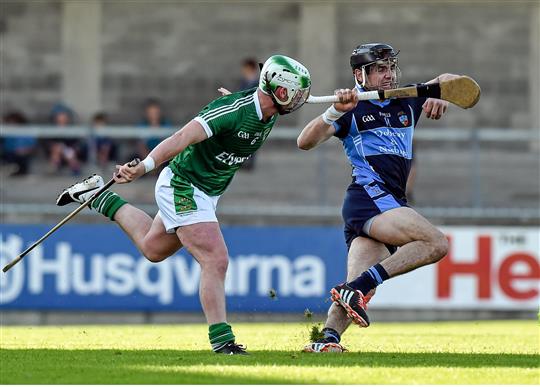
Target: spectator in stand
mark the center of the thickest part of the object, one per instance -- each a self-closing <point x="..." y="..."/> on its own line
<point x="250" y="74"/>
<point x="64" y="151"/>
<point x="153" y="118"/>
<point x="105" y="146"/>
<point x="18" y="150"/>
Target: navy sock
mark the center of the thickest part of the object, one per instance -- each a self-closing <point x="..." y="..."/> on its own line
<point x="370" y="279"/>
<point x="331" y="335"/>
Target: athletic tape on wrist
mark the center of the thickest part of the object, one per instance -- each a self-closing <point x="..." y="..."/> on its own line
<point x="149" y="164"/>
<point x="331" y="114"/>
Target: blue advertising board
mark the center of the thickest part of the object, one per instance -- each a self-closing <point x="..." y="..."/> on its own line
<point x="96" y="267"/>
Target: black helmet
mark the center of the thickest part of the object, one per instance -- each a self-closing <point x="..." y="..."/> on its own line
<point x="365" y="54"/>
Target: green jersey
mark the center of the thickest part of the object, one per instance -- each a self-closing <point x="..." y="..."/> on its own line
<point x="235" y="131"/>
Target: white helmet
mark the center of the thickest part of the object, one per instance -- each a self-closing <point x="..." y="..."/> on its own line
<point x="280" y="70"/>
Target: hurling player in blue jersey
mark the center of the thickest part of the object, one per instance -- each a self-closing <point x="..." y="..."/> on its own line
<point x="377" y="139"/>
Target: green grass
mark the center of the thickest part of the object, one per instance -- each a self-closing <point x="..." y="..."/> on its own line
<point x="386" y="353"/>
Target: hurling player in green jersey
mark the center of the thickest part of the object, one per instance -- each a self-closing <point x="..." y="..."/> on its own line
<point x="204" y="154"/>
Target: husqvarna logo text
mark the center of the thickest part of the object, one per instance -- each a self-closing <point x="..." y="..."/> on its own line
<point x="65" y="272"/>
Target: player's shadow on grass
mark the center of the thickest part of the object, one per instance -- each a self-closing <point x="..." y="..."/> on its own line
<point x="197" y="367"/>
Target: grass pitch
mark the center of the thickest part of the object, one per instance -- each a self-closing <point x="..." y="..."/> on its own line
<point x="386" y="353"/>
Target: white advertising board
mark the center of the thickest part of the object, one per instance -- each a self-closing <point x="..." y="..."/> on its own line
<point x="487" y="268"/>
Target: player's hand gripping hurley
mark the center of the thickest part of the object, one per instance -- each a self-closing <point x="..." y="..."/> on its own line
<point x="463" y="92"/>
<point x="64" y="221"/>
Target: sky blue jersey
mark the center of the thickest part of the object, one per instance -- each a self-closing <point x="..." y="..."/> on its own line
<point x="377" y="137"/>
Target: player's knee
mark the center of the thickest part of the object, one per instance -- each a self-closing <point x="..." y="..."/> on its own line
<point x="154" y="256"/>
<point x="218" y="263"/>
<point x="221" y="264"/>
<point x="440" y="247"/>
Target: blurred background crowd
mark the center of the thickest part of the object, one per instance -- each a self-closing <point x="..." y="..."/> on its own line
<point x="88" y="84"/>
<point x="69" y="154"/>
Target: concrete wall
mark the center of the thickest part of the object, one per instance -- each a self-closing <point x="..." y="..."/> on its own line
<point x="181" y="51"/>
<point x="30" y="56"/>
<point x="486" y="40"/>
<point x="184" y="51"/>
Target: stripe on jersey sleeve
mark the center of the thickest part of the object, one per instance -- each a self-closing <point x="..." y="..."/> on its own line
<point x="218" y="111"/>
<point x="205" y="126"/>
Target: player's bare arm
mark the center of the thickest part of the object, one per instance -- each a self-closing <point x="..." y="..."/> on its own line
<point x="435" y="108"/>
<point x="191" y="133"/>
<point x="320" y="128"/>
<point x="315" y="133"/>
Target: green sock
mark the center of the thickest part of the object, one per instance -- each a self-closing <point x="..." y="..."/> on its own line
<point x="108" y="203"/>
<point x="220" y="334"/>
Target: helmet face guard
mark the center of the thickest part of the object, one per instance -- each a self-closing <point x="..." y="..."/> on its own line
<point x="299" y="98"/>
<point x="375" y="57"/>
<point x="384" y="65"/>
<point x="285" y="72"/>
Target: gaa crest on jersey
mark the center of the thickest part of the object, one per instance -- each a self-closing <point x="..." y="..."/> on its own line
<point x="403" y="118"/>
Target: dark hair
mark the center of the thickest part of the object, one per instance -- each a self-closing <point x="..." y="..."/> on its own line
<point x="15" y="117"/>
<point x="251" y="62"/>
<point x="100" y="116"/>
<point x="152" y="102"/>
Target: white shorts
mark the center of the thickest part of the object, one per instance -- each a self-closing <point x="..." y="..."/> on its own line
<point x="180" y="203"/>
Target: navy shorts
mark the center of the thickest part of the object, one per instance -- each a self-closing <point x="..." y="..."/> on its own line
<point x="363" y="202"/>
